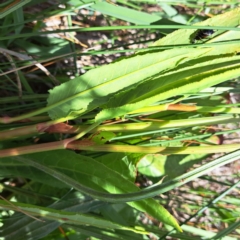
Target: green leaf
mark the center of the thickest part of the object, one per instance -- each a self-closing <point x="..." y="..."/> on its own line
<point x="124" y="13"/>
<point x="94" y="88"/>
<point x="11" y="167"/>
<point x="63" y="217"/>
<point x="194" y="70"/>
<point x="95" y="175"/>
<point x="99" y="86"/>
<point x="120" y="163"/>
<point x="120" y="213"/>
<point x="210" y="68"/>
<point x="102" y="137"/>
<point x="38" y="193"/>
<point x="183" y="36"/>
<point x="156" y="165"/>
<point x="152" y="165"/>
<point x="20" y="226"/>
<point x="183" y="86"/>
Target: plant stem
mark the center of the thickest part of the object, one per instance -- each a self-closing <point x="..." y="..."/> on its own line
<point x="89" y="145"/>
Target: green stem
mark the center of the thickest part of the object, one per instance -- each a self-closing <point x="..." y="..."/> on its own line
<point x="187" y="108"/>
<point x="24" y="116"/>
<point x="43" y="147"/>
<point x="89" y="145"/>
<point x="53" y="127"/>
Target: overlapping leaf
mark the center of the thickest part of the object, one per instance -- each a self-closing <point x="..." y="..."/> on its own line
<point x="183" y="86"/>
<point x="97" y="176"/>
<point x="95" y="88"/>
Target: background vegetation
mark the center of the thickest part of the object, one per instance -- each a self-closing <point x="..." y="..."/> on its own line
<point x="119" y="119"/>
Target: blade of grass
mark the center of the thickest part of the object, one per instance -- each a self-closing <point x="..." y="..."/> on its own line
<point x="12" y="7"/>
<point x="200" y="211"/>
<point x="226" y="231"/>
<point x="112" y="28"/>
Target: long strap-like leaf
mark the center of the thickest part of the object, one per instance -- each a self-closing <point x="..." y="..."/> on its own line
<point x="143" y="194"/>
